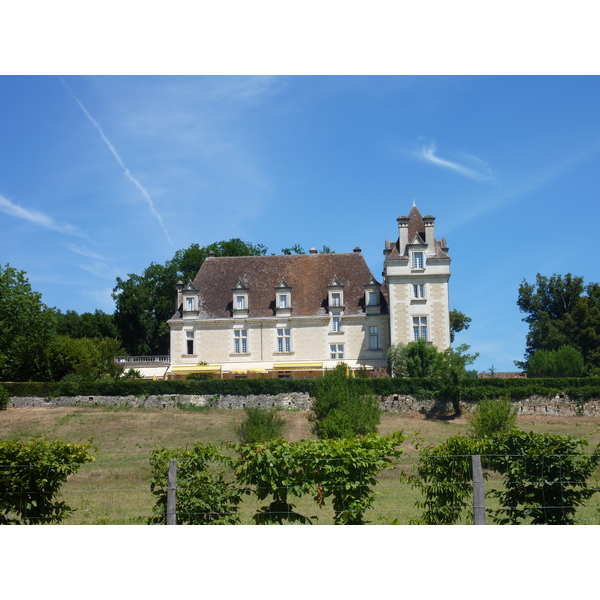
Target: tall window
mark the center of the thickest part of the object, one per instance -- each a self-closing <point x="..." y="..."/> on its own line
<point x="373" y="338"/>
<point x="282" y="301"/>
<point x="418" y="291"/>
<point x="240" y="341"/>
<point x="284" y="343"/>
<point x="336" y="351"/>
<point x="336" y="323"/>
<point x="373" y="299"/>
<point x="418" y="260"/>
<point x="189" y="342"/>
<point x="240" y="302"/>
<point x="420" y="328"/>
<point x="189" y="304"/>
<point x="336" y="299"/>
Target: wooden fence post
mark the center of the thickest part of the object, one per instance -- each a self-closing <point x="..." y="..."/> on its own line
<point x="478" y="492"/>
<point x="171" y="493"/>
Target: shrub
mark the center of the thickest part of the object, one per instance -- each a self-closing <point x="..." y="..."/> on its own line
<point x="564" y="362"/>
<point x="260" y="426"/>
<point x="31" y="475"/>
<point x="132" y="374"/>
<point x="492" y="416"/>
<point x="4" y="397"/>
<point x="344" y="471"/>
<point x="544" y="477"/>
<point x="203" y="497"/>
<point x="343" y="407"/>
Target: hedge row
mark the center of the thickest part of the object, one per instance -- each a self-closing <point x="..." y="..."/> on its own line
<point x="473" y="389"/>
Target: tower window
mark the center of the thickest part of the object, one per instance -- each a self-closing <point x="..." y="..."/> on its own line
<point x="419" y="328"/>
<point x="418" y="260"/>
<point x="418" y="291"/>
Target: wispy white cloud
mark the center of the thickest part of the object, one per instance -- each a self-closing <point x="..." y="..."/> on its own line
<point x="522" y="189"/>
<point x="480" y="173"/>
<point x="38" y="218"/>
<point x="127" y="172"/>
<point x="82" y="251"/>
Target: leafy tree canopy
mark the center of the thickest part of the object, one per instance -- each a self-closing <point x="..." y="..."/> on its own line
<point x="26" y="326"/>
<point x="458" y="322"/>
<point x="562" y="311"/>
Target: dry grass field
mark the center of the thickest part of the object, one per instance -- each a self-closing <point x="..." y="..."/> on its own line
<point x="115" y="488"/>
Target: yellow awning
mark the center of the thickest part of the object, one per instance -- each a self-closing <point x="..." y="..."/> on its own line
<point x="240" y="371"/>
<point x="297" y="365"/>
<point x="257" y="371"/>
<point x="197" y="369"/>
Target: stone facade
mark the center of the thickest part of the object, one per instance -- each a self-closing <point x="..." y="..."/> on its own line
<point x="299" y="315"/>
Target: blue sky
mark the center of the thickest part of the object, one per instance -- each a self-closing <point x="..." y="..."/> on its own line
<point x="102" y="175"/>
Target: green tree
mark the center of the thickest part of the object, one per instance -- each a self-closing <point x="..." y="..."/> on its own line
<point x="458" y="322"/>
<point x="451" y="369"/>
<point x="83" y="359"/>
<point x="145" y="302"/>
<point x="295" y="249"/>
<point x="343" y="407"/>
<point x="562" y="311"/>
<point x="564" y="362"/>
<point x="421" y="359"/>
<point x="396" y="355"/>
<point x="86" y="325"/>
<point x="26" y="327"/>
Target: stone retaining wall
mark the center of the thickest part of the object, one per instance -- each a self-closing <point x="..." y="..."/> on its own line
<point x="536" y="405"/>
<point x="291" y="401"/>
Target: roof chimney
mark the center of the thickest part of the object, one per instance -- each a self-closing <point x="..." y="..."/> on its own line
<point x="357" y="250"/>
<point x="402" y="234"/>
<point x="313" y="251"/>
<point x="429" y="232"/>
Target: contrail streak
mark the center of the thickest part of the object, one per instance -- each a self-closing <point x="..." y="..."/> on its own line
<point x="135" y="182"/>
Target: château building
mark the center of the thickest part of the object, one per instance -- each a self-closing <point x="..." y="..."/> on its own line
<point x="298" y="315"/>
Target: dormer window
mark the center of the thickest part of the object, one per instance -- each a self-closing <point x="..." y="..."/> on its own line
<point x="240" y="300"/>
<point x="283" y="299"/>
<point x="372" y="297"/>
<point x="190" y="294"/>
<point x="335" y="293"/>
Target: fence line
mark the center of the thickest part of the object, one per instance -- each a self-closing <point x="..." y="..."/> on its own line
<point x="92" y="493"/>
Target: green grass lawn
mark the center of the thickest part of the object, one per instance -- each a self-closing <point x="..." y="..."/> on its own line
<point x="115" y="488"/>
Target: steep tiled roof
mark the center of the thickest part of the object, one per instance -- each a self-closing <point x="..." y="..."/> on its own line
<point x="308" y="276"/>
<point x="416" y="226"/>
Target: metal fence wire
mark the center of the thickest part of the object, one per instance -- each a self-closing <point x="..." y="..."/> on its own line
<point x="119" y="492"/>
